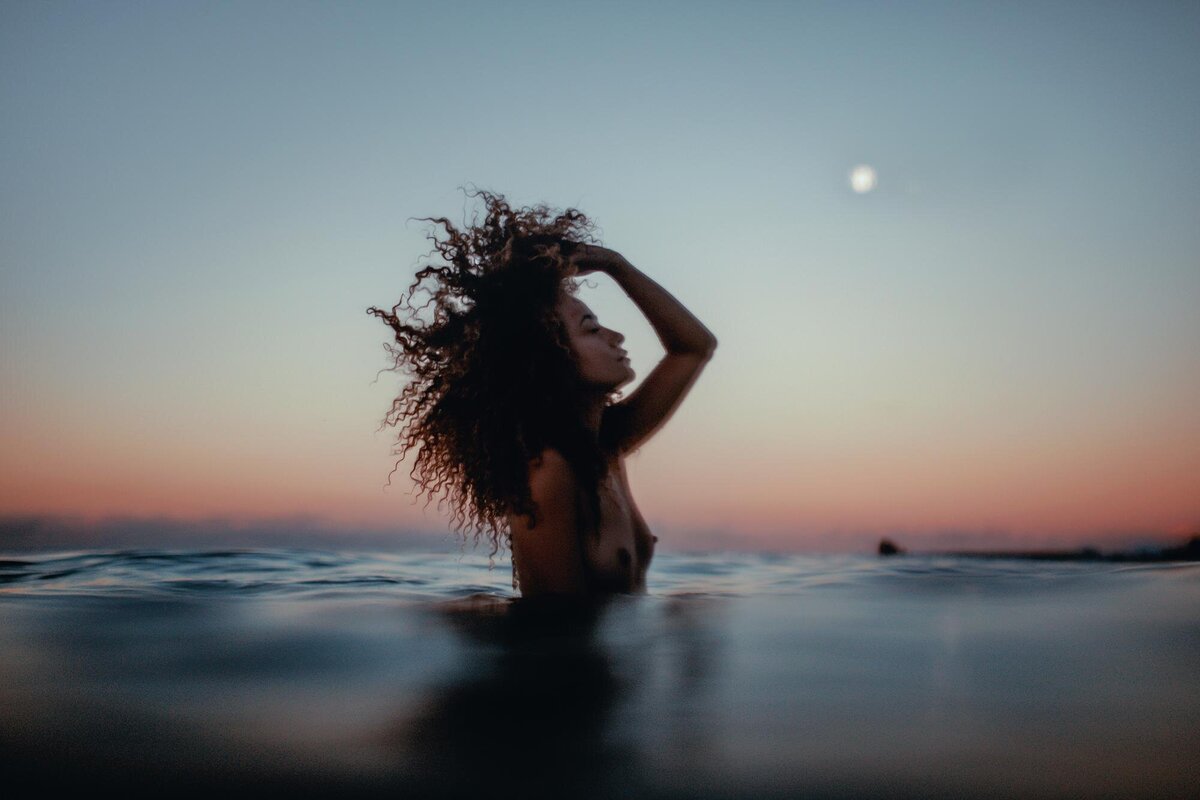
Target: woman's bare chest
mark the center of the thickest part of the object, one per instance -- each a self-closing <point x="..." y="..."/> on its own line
<point x="620" y="551"/>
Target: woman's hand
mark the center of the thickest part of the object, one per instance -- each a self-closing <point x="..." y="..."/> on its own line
<point x="594" y="258"/>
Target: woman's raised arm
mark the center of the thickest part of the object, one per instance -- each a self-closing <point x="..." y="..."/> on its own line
<point x="688" y="343"/>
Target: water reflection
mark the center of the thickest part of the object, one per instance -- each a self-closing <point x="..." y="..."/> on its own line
<point x="530" y="710"/>
<point x="861" y="682"/>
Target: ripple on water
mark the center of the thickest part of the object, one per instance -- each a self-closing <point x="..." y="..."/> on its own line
<point x="298" y="573"/>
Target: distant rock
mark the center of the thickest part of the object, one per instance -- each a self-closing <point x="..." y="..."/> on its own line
<point x="889" y="548"/>
<point x="1185" y="552"/>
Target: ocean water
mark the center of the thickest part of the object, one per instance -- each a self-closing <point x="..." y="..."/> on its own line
<point x="310" y="673"/>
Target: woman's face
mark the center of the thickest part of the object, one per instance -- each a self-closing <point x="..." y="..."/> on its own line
<point x="598" y="353"/>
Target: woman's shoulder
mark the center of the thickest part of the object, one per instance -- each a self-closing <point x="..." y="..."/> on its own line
<point x="551" y="464"/>
<point x="550" y="469"/>
<point x="547" y="534"/>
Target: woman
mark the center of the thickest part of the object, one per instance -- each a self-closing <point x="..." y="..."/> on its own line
<point x="513" y="404"/>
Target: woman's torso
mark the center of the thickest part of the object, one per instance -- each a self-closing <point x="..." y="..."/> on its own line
<point x="617" y="547"/>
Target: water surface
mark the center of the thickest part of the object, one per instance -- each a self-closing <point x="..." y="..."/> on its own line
<point x="306" y="672"/>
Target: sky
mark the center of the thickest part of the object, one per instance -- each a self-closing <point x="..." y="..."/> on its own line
<point x="995" y="346"/>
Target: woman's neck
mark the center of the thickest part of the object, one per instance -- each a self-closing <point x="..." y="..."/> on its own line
<point x="594" y="412"/>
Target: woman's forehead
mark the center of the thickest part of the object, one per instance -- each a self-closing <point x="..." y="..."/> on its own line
<point x="572" y="307"/>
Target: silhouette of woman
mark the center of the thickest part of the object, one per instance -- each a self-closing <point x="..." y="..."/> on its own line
<point x="512" y="403"/>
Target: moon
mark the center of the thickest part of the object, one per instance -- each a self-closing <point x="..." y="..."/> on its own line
<point x="863" y="178"/>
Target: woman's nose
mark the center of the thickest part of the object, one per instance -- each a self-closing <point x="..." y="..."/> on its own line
<point x="617" y="336"/>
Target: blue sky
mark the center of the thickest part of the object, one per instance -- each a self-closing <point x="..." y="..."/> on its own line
<point x="201" y="199"/>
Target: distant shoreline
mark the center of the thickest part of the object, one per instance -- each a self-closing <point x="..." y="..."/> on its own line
<point x="1189" y="551"/>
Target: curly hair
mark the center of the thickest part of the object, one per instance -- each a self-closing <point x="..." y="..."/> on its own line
<point x="492" y="378"/>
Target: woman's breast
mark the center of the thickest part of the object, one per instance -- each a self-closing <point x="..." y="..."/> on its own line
<point x="621" y="551"/>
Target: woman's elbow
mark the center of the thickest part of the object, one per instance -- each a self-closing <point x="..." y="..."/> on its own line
<point x="705" y="348"/>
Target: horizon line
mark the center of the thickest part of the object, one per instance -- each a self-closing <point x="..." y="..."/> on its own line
<point x="30" y="532"/>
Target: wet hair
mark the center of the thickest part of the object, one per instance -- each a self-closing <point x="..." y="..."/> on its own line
<point x="491" y="376"/>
